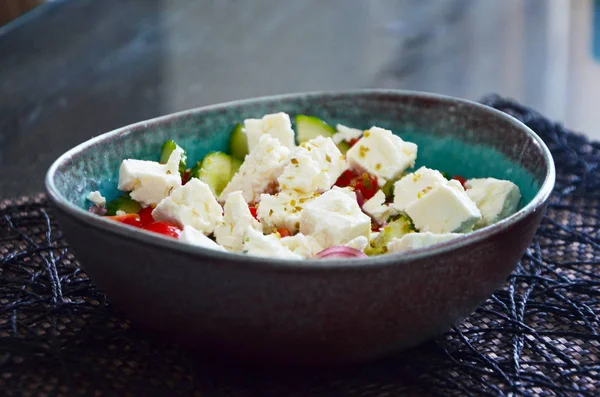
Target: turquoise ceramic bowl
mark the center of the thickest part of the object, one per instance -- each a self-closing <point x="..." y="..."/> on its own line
<point x="306" y="312"/>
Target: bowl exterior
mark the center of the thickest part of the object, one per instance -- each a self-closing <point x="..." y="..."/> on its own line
<point x="326" y="317"/>
<point x="302" y="313"/>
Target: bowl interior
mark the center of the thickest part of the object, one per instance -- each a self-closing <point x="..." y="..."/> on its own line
<point x="458" y="137"/>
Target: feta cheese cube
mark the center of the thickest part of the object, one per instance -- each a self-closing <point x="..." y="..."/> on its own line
<point x="120" y="213"/>
<point x="334" y="218"/>
<point x="277" y="125"/>
<point x="192" y="236"/>
<point x="148" y="181"/>
<point x="445" y="209"/>
<point x="303" y="174"/>
<point x="359" y="243"/>
<point x="236" y="220"/>
<point x="415" y="185"/>
<point x="383" y="154"/>
<point x="305" y="246"/>
<point x="377" y="209"/>
<point x="258" y="174"/>
<point x="346" y="134"/>
<point x="96" y="198"/>
<point x="282" y="210"/>
<point x="192" y="204"/>
<point x="413" y="241"/>
<point x="314" y="167"/>
<point x="326" y="153"/>
<point x="270" y="245"/>
<point x="496" y="199"/>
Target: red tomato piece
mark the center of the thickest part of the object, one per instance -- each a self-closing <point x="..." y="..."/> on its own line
<point x="186" y="176"/>
<point x="146" y="215"/>
<point x="163" y="228"/>
<point x="283" y="232"/>
<point x="129" y="219"/>
<point x="253" y="211"/>
<point x="364" y="183"/>
<point x="461" y="179"/>
<point x="367" y="185"/>
<point x="346" y="178"/>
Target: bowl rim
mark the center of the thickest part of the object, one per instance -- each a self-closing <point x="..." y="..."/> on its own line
<point x="282" y="264"/>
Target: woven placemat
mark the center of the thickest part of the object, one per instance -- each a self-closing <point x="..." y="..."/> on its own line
<point x="537" y="335"/>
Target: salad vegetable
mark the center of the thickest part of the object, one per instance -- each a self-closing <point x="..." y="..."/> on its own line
<point x="238" y="143"/>
<point x="166" y="151"/>
<point x="123" y="204"/>
<point x="341" y="192"/>
<point x="216" y="170"/>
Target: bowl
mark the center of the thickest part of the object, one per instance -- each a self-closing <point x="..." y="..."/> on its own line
<point x="308" y="312"/>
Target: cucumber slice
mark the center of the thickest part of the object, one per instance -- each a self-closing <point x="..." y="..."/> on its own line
<point x="235" y="165"/>
<point x="397" y="228"/>
<point x="123" y="203"/>
<point x="388" y="189"/>
<point x="238" y="142"/>
<point x="167" y="149"/>
<point x="343" y="146"/>
<point x="309" y="127"/>
<point x="216" y="170"/>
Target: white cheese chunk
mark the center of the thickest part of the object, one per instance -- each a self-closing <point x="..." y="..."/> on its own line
<point x="334" y="218"/>
<point x="496" y="199"/>
<point x="270" y="245"/>
<point x="383" y="154"/>
<point x="303" y="174"/>
<point x="277" y="125"/>
<point x="148" y="181"/>
<point x="413" y="241"/>
<point x="313" y="167"/>
<point x="415" y="185"/>
<point x="258" y="174"/>
<point x="236" y="220"/>
<point x="326" y="153"/>
<point x="445" y="209"/>
<point x="96" y="198"/>
<point x="192" y="204"/>
<point x="359" y="243"/>
<point x="282" y="210"/>
<point x="120" y="213"/>
<point x="305" y="246"/>
<point x="346" y="134"/>
<point x="377" y="209"/>
<point x="195" y="237"/>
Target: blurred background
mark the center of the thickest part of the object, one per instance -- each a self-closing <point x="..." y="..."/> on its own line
<point x="73" y="69"/>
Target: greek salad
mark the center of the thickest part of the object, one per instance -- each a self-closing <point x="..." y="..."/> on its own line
<point x="318" y="192"/>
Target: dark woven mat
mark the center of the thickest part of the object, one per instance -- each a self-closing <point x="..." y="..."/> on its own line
<point x="537" y="335"/>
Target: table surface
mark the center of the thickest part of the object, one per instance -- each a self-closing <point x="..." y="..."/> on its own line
<point x="71" y="70"/>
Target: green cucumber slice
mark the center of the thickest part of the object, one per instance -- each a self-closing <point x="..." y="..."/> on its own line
<point x="167" y="149"/>
<point x="343" y="147"/>
<point x="309" y="127"/>
<point x="395" y="229"/>
<point x="123" y="203"/>
<point x="238" y="142"/>
<point x="216" y="170"/>
<point x="388" y="189"/>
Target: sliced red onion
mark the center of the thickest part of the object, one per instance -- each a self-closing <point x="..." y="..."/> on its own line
<point x="360" y="199"/>
<point x="340" y="251"/>
<point x="94" y="209"/>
